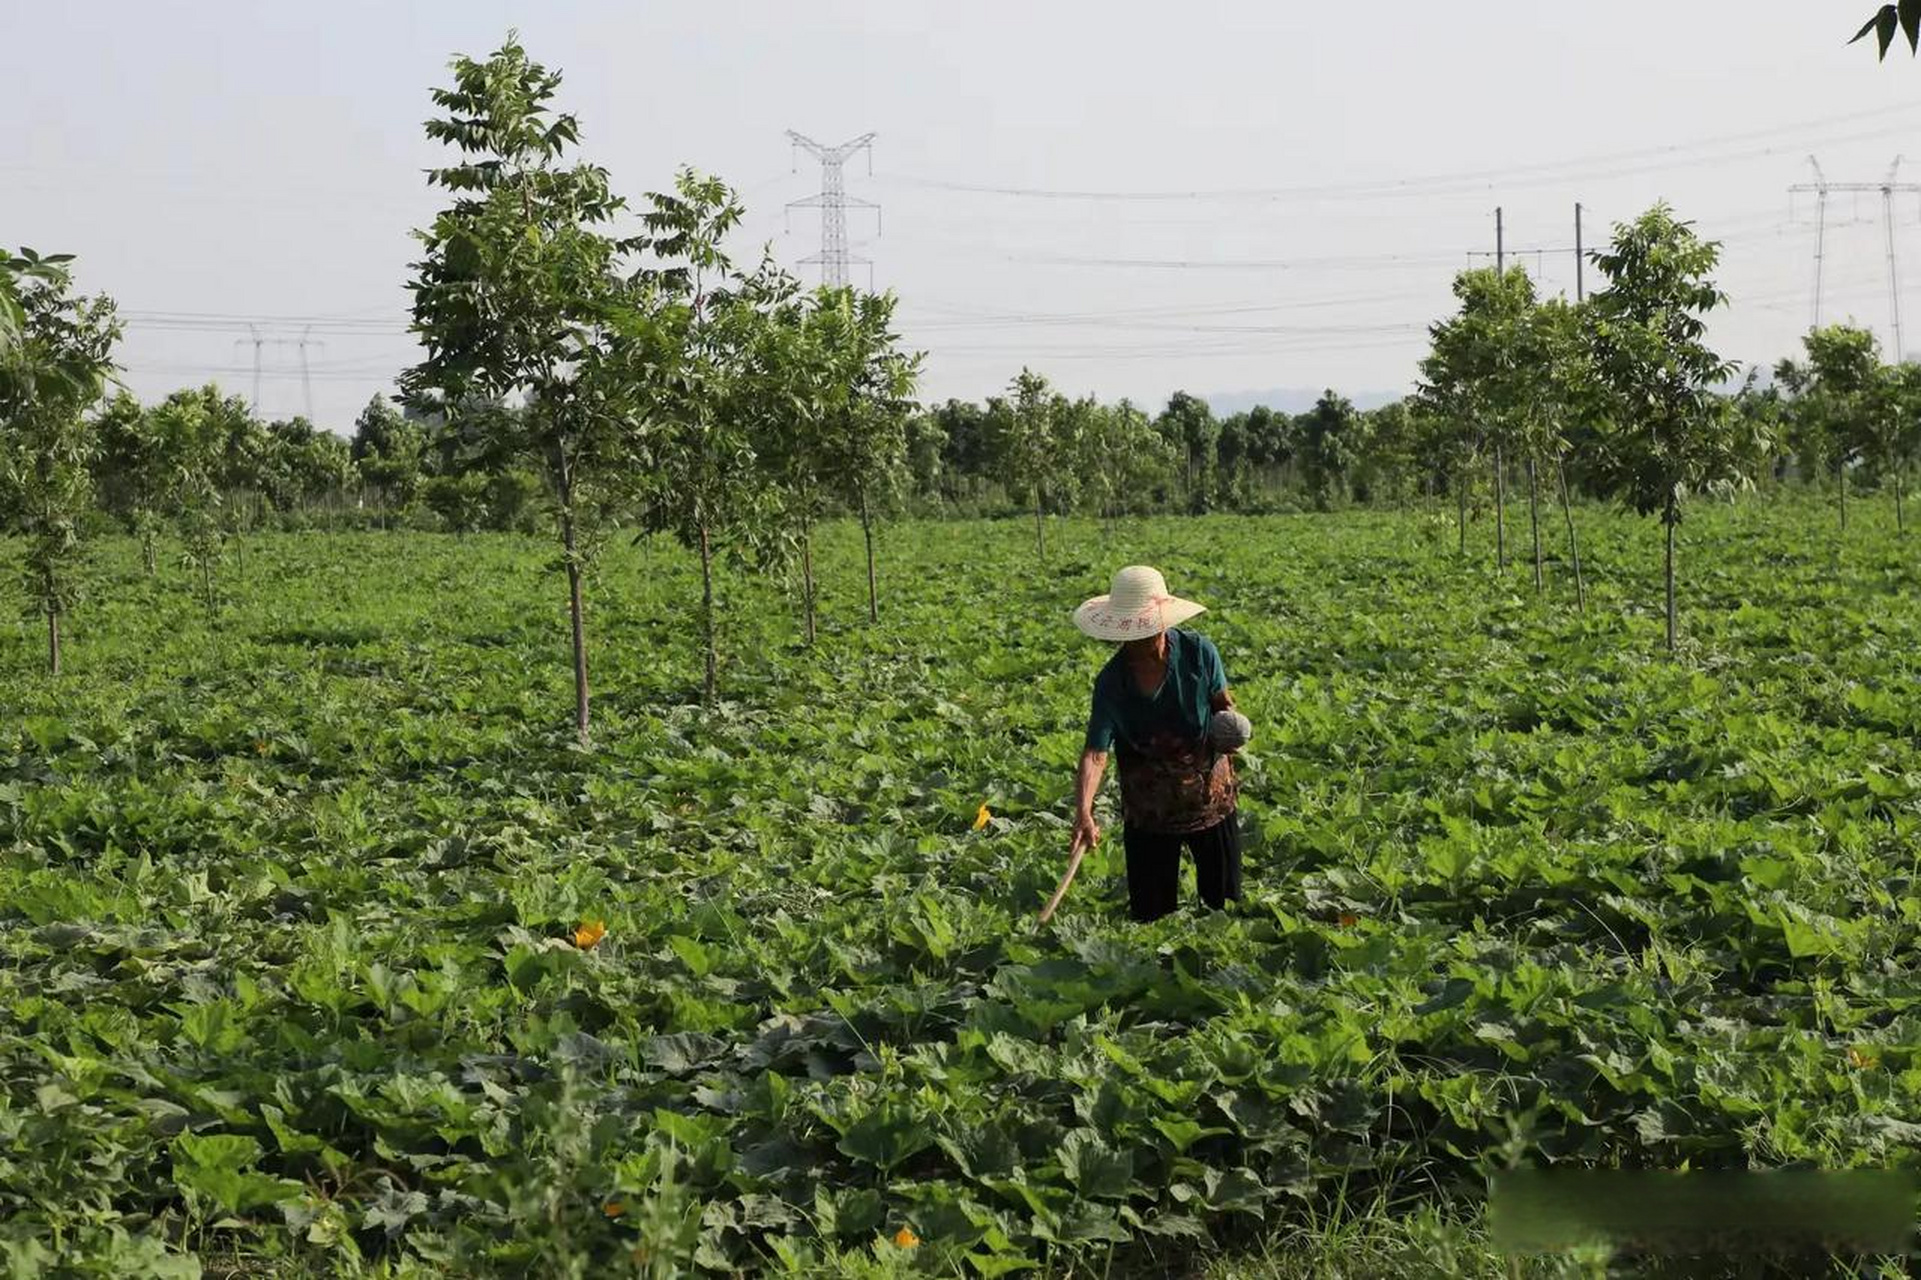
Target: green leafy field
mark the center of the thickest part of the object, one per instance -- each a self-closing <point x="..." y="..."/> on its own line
<point x="288" y="910"/>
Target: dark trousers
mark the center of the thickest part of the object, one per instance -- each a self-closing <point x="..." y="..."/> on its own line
<point x="1154" y="867"/>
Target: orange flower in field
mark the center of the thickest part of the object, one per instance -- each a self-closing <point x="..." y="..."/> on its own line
<point x="906" y="1238"/>
<point x="981" y="818"/>
<point x="613" y="1208"/>
<point x="589" y="934"/>
<point x="1349" y="919"/>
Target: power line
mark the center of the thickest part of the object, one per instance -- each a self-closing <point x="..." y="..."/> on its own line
<point x="1431" y="184"/>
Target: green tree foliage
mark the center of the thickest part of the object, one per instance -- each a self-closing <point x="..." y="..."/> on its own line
<point x="1841" y="402"/>
<point x="966" y="448"/>
<point x="1128" y="467"/>
<point x="703" y="328"/>
<point x="1389" y="465"/>
<point x="1480" y="370"/>
<point x="517" y="296"/>
<point x="1904" y="18"/>
<point x="389" y="452"/>
<point x="190" y="433"/>
<point x="1031" y="434"/>
<point x="1190" y="427"/>
<point x="304" y="466"/>
<point x="870" y="382"/>
<point x="1902" y="432"/>
<point x="131" y="472"/>
<point x="1330" y="437"/>
<point x="1561" y="402"/>
<point x="54" y="366"/>
<point x="1670" y="432"/>
<point x="1453" y="395"/>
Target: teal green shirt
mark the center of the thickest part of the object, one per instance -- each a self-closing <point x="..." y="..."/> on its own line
<point x="1126" y="719"/>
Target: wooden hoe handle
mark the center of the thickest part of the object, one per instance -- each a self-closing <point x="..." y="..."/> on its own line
<point x="1073" y="865"/>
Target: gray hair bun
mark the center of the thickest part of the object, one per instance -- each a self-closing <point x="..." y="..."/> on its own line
<point x="1228" y="730"/>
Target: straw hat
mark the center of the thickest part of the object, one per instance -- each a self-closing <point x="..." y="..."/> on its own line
<point x="1137" y="606"/>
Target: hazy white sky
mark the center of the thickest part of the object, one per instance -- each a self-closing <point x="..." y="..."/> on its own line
<point x="217" y="162"/>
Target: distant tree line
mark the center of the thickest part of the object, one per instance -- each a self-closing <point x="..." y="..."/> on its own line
<point x="583" y="384"/>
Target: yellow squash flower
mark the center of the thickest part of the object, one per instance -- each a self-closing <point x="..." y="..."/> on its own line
<point x="589" y="934"/>
<point x="981" y="818"/>
<point x="905" y="1237"/>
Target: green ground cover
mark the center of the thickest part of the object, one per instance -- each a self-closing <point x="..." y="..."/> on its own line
<point x="288" y="908"/>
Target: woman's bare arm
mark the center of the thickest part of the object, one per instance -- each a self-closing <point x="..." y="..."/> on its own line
<point x="1087" y="782"/>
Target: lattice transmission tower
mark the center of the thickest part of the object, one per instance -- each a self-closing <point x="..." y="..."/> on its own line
<point x="1887" y="189"/>
<point x="833" y="202"/>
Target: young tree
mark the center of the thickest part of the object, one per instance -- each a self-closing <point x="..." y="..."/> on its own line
<point x="1840" y="397"/>
<point x="702" y="326"/>
<point x="1124" y="460"/>
<point x="306" y="467"/>
<point x="130" y="472"/>
<point x="516" y="297"/>
<point x="389" y="453"/>
<point x="1902" y="416"/>
<point x="967" y="448"/>
<point x="1453" y="395"/>
<point x="189" y="433"/>
<point x="1028" y="433"/>
<point x="786" y="384"/>
<point x="865" y="421"/>
<point x="926" y="459"/>
<point x="1670" y="432"/>
<point x="55" y="364"/>
<point x="1270" y="445"/>
<point x="1329" y="435"/>
<point x="1478" y="371"/>
<point x="1561" y="397"/>
<point x="1189" y="426"/>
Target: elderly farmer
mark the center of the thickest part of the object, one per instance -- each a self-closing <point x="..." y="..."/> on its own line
<point x="1162" y="702"/>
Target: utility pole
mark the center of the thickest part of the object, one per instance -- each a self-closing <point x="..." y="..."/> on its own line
<point x="1579" y="296"/>
<point x="1500" y="244"/>
<point x="1887" y="189"/>
<point x="832" y="200"/>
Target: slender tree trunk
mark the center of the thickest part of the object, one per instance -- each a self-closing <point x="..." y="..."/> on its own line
<point x="1573" y="546"/>
<point x="711" y="681"/>
<point x="1040" y="532"/>
<point x="147" y="557"/>
<point x="1841" y="474"/>
<point x="577" y="615"/>
<point x="53" y="641"/>
<point x="1460" y="509"/>
<point x="1669" y="517"/>
<point x="867" y="532"/>
<point x="1900" y="479"/>
<point x="1500" y="511"/>
<point x="1534" y="518"/>
<point x="206" y="583"/>
<point x="807" y="577"/>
